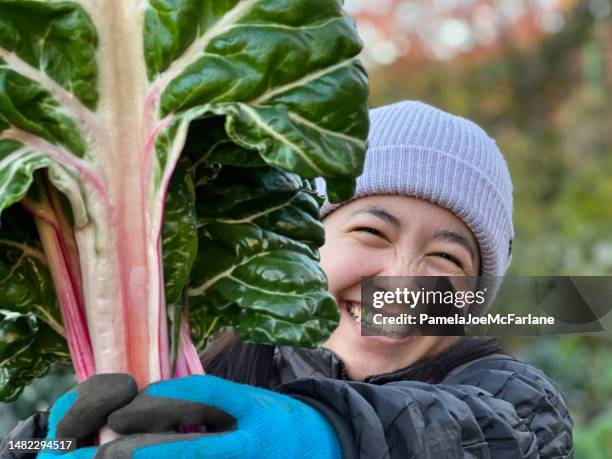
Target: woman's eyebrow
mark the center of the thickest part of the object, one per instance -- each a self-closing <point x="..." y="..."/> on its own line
<point x="452" y="236"/>
<point x="380" y="213"/>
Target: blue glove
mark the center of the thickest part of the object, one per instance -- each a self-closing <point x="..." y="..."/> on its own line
<point x="242" y="422"/>
<point x="81" y="412"/>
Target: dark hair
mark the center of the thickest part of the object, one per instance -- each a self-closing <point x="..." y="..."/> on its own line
<point x="230" y="358"/>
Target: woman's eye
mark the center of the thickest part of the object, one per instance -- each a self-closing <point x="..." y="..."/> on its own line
<point x="367" y="229"/>
<point x="449" y="257"/>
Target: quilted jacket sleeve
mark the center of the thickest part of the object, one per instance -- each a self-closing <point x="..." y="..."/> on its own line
<point x="495" y="408"/>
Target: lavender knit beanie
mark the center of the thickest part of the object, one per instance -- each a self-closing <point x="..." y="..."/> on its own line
<point x="420" y="151"/>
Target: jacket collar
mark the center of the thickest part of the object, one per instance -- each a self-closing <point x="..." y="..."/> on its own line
<point x="295" y="362"/>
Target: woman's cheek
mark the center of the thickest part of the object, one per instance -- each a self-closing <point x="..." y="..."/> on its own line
<point x="347" y="263"/>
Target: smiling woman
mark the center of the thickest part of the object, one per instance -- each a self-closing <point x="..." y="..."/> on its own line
<point x="382" y="235"/>
<point x="434" y="199"/>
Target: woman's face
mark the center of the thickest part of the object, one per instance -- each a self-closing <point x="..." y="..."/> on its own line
<point x="390" y="236"/>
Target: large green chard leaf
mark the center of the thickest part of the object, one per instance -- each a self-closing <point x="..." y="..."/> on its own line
<point x="276" y="214"/>
<point x="101" y="94"/>
<point x="262" y="232"/>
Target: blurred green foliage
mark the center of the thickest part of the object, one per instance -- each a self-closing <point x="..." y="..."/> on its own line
<point x="550" y="110"/>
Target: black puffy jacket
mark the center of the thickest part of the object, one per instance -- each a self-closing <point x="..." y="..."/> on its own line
<point x="491" y="407"/>
<point x="471" y="401"/>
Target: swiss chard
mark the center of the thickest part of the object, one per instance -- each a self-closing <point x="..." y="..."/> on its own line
<point x="160" y="152"/>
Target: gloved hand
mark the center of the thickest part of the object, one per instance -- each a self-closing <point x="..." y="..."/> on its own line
<point x="242" y="422"/>
<point x="82" y="411"/>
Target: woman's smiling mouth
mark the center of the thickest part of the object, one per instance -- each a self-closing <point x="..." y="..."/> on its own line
<point x="354" y="309"/>
<point x="386" y="332"/>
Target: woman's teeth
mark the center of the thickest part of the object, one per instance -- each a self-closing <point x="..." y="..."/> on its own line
<point x="354" y="310"/>
<point x="392" y="331"/>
